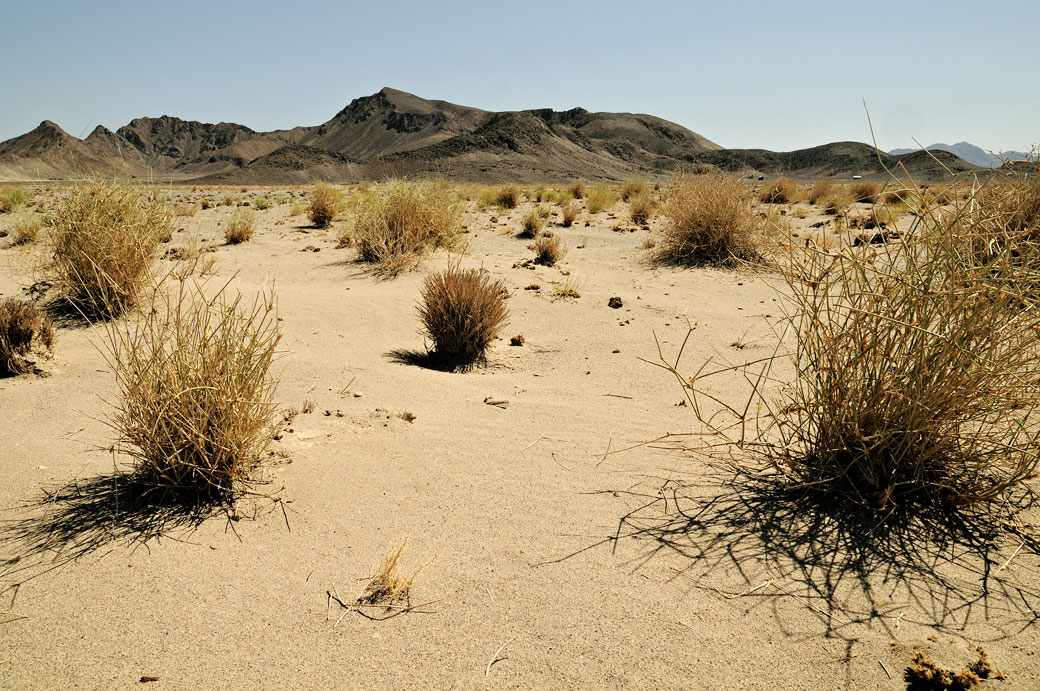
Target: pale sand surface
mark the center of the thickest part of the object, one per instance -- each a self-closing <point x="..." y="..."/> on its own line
<point x="518" y="505"/>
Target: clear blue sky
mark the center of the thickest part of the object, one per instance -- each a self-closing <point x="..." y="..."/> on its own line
<point x="775" y="75"/>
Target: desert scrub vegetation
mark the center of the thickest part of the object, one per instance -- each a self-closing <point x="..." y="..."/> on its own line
<point x="578" y="189"/>
<point x="633" y="188"/>
<point x="641" y="208"/>
<point x="570" y="212"/>
<point x="104" y="238"/>
<point x="601" y="196"/>
<point x="394" y="227"/>
<point x="325" y="201"/>
<point x="531" y="225"/>
<point x="548" y="250"/>
<point x="708" y="220"/>
<point x="821" y="190"/>
<point x="915" y="369"/>
<point x="865" y="191"/>
<point x="11" y="198"/>
<point x="462" y="312"/>
<point x="782" y="191"/>
<point x="26" y="336"/>
<point x="507" y="197"/>
<point x="26" y="230"/>
<point x="195" y="410"/>
<point x="240" y="227"/>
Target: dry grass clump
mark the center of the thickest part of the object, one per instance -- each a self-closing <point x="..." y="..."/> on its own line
<point x="462" y="312"/>
<point x="821" y="189"/>
<point x="26" y="335"/>
<point x="641" y="208"/>
<point x="915" y="368"/>
<point x="325" y="202"/>
<point x="195" y="410"/>
<point x="570" y="212"/>
<point x="865" y="191"/>
<point x="709" y="221"/>
<point x="240" y="227"/>
<point x="783" y="191"/>
<point x="395" y="227"/>
<point x="601" y="196"/>
<point x="105" y="237"/>
<point x="633" y="188"/>
<point x="548" y="250"/>
<point x="578" y="189"/>
<point x="390" y="584"/>
<point x="26" y="230"/>
<point x="531" y="225"/>
<point x="11" y="198"/>
<point x="507" y="197"/>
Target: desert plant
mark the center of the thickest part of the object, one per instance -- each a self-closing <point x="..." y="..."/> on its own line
<point x="325" y="202"/>
<point x="633" y="188"/>
<point x="709" y="220"/>
<point x="195" y="409"/>
<point x="640" y="208"/>
<point x="601" y="196"/>
<point x="570" y="212"/>
<point x="782" y="191"/>
<point x="11" y="198"/>
<point x="26" y="335"/>
<point x="578" y="190"/>
<point x="915" y="369"/>
<point x="390" y="584"/>
<point x="396" y="227"/>
<point x="239" y="227"/>
<point x="548" y="250"/>
<point x="261" y="204"/>
<point x="865" y="191"/>
<point x="462" y="312"/>
<point x="507" y="197"/>
<point x="26" y="230"/>
<point x="105" y="237"/>
<point x="532" y="225"/>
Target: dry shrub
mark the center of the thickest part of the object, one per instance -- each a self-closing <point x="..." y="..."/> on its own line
<point x="11" y="198"/>
<point x="507" y="197"/>
<point x="601" y="196"/>
<point x="708" y="220"/>
<point x="185" y="209"/>
<point x="105" y="237"/>
<point x="390" y="584"/>
<point x="325" y="202"/>
<point x="783" y="191"/>
<point x="394" y="228"/>
<point x="240" y="227"/>
<point x="641" y="208"/>
<point x="196" y="410"/>
<point x="915" y="369"/>
<point x="26" y="230"/>
<point x="578" y="190"/>
<point x="633" y="188"/>
<point x="821" y="189"/>
<point x="462" y="312"/>
<point x="570" y="212"/>
<point x="532" y="225"/>
<point x="26" y="336"/>
<point x="548" y="250"/>
<point x="865" y="191"/>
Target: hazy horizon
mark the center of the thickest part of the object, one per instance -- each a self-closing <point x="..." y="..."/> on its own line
<point x="750" y="76"/>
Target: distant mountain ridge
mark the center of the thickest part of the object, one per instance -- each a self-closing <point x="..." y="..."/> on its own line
<point x="396" y="133"/>
<point x="975" y="155"/>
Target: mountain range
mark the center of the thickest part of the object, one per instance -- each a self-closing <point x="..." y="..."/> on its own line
<point x="975" y="155"/>
<point x="395" y="133"/>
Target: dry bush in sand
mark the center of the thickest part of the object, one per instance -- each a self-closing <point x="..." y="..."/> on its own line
<point x="395" y="227"/>
<point x="865" y="191"/>
<point x="195" y="410"/>
<point x="640" y="208"/>
<point x="548" y="250"/>
<point x="633" y="188"/>
<point x="507" y="197"/>
<point x="239" y="227"/>
<point x="11" y="198"/>
<point x="390" y="584"/>
<point x="532" y="225"/>
<point x="601" y="196"/>
<point x="105" y="238"/>
<point x="325" y="202"/>
<point x="783" y="191"/>
<point x="916" y="380"/>
<point x="26" y="335"/>
<point x="26" y="230"/>
<point x="570" y="212"/>
<point x="462" y="312"/>
<point x="708" y="220"/>
<point x="821" y="190"/>
<point x="578" y="190"/>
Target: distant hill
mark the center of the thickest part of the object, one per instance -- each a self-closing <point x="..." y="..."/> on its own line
<point x="395" y="133"/>
<point x="974" y="155"/>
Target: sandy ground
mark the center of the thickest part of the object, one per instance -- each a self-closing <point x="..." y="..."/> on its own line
<point x="519" y="505"/>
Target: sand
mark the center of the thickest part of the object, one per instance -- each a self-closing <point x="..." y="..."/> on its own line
<point x="519" y="504"/>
